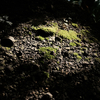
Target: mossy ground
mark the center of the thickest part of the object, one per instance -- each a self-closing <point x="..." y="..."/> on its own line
<point x="76" y="54"/>
<point x="72" y="44"/>
<point x="88" y="36"/>
<point x="88" y="58"/>
<point x="53" y="28"/>
<point x="75" y="25"/>
<point x="47" y="52"/>
<point x="40" y="38"/>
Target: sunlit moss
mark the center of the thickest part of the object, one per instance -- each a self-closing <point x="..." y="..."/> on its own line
<point x="47" y="38"/>
<point x="30" y="33"/>
<point x="46" y="74"/>
<point x="75" y="25"/>
<point x="57" y="62"/>
<point x="40" y="38"/>
<point x="79" y="57"/>
<point x="47" y="52"/>
<point x="84" y="32"/>
<point x="88" y="58"/>
<point x="76" y="54"/>
<point x="72" y="44"/>
<point x="71" y="35"/>
<point x="79" y="44"/>
<point x="46" y="29"/>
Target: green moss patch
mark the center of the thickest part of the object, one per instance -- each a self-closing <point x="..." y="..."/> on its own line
<point x="75" y="25"/>
<point x="6" y="48"/>
<point x="40" y="38"/>
<point x="71" y="35"/>
<point x="78" y="44"/>
<point x="75" y="44"/>
<point x="88" y="36"/>
<point x="88" y="58"/>
<point x="30" y="33"/>
<point x="48" y="52"/>
<point x="46" y="29"/>
<point x="97" y="59"/>
<point x="76" y="54"/>
<point x="53" y="28"/>
<point x="72" y="44"/>
<point x="46" y="74"/>
<point x="84" y="32"/>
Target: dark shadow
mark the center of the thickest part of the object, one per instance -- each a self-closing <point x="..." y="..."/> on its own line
<point x="27" y="76"/>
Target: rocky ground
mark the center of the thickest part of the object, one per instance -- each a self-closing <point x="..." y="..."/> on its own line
<point x="37" y="65"/>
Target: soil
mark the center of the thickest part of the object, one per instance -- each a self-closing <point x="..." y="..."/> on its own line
<point x="80" y="86"/>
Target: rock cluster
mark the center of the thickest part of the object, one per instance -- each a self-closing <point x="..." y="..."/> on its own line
<point x="68" y="58"/>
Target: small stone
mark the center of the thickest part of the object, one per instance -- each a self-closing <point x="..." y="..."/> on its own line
<point x="71" y="51"/>
<point x="62" y="70"/>
<point x="92" y="62"/>
<point x="10" y="55"/>
<point x="36" y="49"/>
<point x="73" y="67"/>
<point x="70" y="63"/>
<point x="65" y="20"/>
<point x="85" y="62"/>
<point x="92" y="44"/>
<point x="34" y="45"/>
<point x="85" y="78"/>
<point x="8" y="22"/>
<point x="66" y="24"/>
<point x="95" y="55"/>
<point x="59" y="50"/>
<point x="67" y="48"/>
<point x="52" y="38"/>
<point x="47" y="96"/>
<point x="56" y="47"/>
<point x="9" y="68"/>
<point x="1" y="59"/>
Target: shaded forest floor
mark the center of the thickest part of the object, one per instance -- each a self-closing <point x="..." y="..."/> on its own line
<point x="84" y="85"/>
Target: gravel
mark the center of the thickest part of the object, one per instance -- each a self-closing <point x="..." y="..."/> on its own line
<point x="57" y="84"/>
